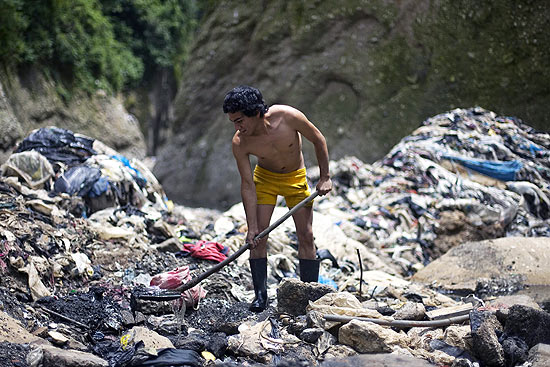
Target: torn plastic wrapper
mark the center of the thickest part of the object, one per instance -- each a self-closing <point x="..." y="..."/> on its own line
<point x="174" y="280"/>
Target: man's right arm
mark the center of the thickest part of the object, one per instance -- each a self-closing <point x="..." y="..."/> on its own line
<point x="248" y="190"/>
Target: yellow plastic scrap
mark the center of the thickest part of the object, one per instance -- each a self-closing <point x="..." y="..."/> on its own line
<point x="124" y="341"/>
<point x="207" y="355"/>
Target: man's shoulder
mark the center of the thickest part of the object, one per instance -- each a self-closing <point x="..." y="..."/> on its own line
<point x="285" y="113"/>
<point x="282" y="109"/>
<point x="238" y="146"/>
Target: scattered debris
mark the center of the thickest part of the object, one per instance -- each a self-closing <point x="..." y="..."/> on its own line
<point x="86" y="235"/>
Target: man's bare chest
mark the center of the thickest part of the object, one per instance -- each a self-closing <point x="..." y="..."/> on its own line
<point x="276" y="145"/>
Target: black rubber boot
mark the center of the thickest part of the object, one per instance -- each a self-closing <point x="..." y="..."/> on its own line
<point x="309" y="270"/>
<point x="258" y="269"/>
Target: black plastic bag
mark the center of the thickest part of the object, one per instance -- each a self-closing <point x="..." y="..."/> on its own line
<point x="173" y="357"/>
<point x="77" y="180"/>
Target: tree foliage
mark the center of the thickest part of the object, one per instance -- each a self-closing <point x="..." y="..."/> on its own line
<point x="157" y="31"/>
<point x="12" y="25"/>
<point x="90" y="44"/>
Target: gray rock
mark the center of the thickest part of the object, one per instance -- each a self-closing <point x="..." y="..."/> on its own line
<point x="53" y="356"/>
<point x="539" y="355"/>
<point x="139" y="318"/>
<point x="531" y="325"/>
<point x="127" y="318"/>
<point x="377" y="360"/>
<point x="195" y="340"/>
<point x="517" y="299"/>
<point x="311" y="335"/>
<point x="377" y="84"/>
<point x="169" y="245"/>
<point x="149" y="307"/>
<point x="229" y="327"/>
<point x="25" y="106"/>
<point x="368" y="337"/>
<point x="58" y="338"/>
<point x="198" y="341"/>
<point x="10" y="128"/>
<point x="217" y="344"/>
<point x="515" y="350"/>
<point x="339" y="351"/>
<point x="486" y="346"/>
<point x="410" y="311"/>
<point x="293" y="295"/>
<point x="503" y="263"/>
<point x="463" y="362"/>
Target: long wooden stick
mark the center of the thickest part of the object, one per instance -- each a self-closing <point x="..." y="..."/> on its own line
<point x="61" y="316"/>
<point x="193" y="282"/>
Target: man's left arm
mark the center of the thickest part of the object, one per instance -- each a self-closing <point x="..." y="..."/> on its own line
<point x="312" y="133"/>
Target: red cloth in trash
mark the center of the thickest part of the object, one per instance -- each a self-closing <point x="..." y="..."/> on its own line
<point x="175" y="279"/>
<point x="206" y="250"/>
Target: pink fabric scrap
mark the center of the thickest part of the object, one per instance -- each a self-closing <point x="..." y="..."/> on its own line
<point x="206" y="250"/>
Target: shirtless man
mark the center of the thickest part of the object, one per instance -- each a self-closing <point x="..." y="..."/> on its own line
<point x="274" y="135"/>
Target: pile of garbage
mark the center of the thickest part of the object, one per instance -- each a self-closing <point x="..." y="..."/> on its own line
<point x="60" y="161"/>
<point x="94" y="257"/>
<point x="465" y="175"/>
<point x="85" y="233"/>
<point x="63" y="194"/>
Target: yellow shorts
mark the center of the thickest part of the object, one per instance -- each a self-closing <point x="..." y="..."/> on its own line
<point x="293" y="186"/>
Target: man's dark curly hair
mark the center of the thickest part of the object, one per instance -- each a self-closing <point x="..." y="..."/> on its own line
<point x="245" y="99"/>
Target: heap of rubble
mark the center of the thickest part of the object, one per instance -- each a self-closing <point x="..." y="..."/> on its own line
<point x="87" y="236"/>
<point x="465" y="175"/>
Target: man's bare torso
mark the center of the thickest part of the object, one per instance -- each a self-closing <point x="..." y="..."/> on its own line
<point x="279" y="149"/>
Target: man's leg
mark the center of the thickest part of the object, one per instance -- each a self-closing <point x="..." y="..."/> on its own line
<point x="264" y="214"/>
<point x="307" y="252"/>
<point x="258" y="261"/>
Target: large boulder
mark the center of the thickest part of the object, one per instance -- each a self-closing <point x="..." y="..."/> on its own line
<point x="377" y="360"/>
<point x="501" y="260"/>
<point x="366" y="73"/>
<point x="30" y="101"/>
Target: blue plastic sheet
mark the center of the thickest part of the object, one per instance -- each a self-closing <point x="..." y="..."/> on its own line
<point x="501" y="170"/>
<point x="328" y="281"/>
<point x="141" y="181"/>
<point x="99" y="187"/>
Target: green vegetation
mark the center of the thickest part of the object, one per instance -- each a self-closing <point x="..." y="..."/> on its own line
<point x="91" y="44"/>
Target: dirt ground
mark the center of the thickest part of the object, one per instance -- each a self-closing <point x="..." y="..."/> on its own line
<point x="14" y="354"/>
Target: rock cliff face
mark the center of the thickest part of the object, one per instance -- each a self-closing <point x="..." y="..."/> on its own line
<point x="29" y="102"/>
<point x="365" y="72"/>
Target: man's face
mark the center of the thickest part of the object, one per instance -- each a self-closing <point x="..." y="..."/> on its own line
<point x="244" y="124"/>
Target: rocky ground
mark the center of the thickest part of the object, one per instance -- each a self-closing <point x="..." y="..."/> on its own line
<point x="418" y="264"/>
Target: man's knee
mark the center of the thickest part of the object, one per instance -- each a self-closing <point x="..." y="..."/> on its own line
<point x="305" y="236"/>
<point x="263" y="241"/>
